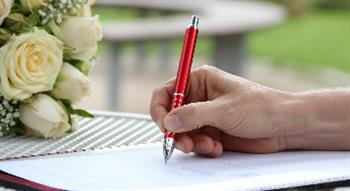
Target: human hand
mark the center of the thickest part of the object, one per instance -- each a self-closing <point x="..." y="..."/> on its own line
<point x="234" y="114"/>
<point x="238" y="115"/>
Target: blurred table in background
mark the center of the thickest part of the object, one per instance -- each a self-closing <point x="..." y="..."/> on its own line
<point x="226" y="22"/>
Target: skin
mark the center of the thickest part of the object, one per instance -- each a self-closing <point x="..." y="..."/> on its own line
<point x="239" y="115"/>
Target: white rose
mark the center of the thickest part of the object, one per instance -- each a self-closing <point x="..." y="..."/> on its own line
<point x="45" y="116"/>
<point x="29" y="64"/>
<point x="5" y="9"/>
<point x="81" y="34"/>
<point x="71" y="84"/>
<point x="31" y="5"/>
<point x="84" y="10"/>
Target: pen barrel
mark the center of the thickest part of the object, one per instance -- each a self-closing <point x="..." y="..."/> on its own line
<point x="184" y="69"/>
<point x="177" y="101"/>
<point x="182" y="78"/>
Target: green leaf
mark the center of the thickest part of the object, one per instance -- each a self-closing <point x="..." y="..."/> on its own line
<point x="79" y="112"/>
<point x="48" y="29"/>
<point x="84" y="113"/>
<point x="34" y="19"/>
<point x="68" y="106"/>
<point x="17" y="7"/>
<point x="70" y="121"/>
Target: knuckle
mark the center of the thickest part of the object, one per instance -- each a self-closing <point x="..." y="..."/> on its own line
<point x="153" y="108"/>
<point x="152" y="111"/>
<point x="204" y="69"/>
<point x="157" y="90"/>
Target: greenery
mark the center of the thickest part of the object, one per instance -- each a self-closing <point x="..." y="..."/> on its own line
<point x="113" y="14"/>
<point x="321" y="38"/>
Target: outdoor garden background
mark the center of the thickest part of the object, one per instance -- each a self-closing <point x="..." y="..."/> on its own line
<point x="310" y="50"/>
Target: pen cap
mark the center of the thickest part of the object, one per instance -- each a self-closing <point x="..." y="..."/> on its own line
<point x="194" y="22"/>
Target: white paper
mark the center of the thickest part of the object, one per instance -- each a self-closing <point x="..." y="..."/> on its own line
<point x="142" y="168"/>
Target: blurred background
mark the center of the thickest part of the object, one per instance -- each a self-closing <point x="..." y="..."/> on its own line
<point x="294" y="45"/>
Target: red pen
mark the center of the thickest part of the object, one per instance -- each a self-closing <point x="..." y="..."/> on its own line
<point x="183" y="75"/>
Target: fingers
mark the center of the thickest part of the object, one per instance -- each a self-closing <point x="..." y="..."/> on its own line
<point x="160" y="102"/>
<point x="205" y="145"/>
<point x="217" y="151"/>
<point x="194" y="115"/>
<point x="198" y="86"/>
<point x="184" y="143"/>
<point x="201" y="87"/>
<point x="262" y="145"/>
<point x="199" y="143"/>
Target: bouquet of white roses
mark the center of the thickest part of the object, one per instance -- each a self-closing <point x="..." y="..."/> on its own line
<point x="47" y="48"/>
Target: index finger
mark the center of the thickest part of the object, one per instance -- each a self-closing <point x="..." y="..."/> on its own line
<point x="198" y="90"/>
<point x="159" y="106"/>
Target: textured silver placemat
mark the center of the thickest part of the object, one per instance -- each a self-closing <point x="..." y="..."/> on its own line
<point x="106" y="130"/>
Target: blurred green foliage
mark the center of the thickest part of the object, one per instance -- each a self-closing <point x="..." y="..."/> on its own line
<point x="320" y="38"/>
<point x="115" y="14"/>
<point x="331" y="4"/>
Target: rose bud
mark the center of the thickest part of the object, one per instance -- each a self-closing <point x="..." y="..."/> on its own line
<point x="45" y="116"/>
<point x="71" y="84"/>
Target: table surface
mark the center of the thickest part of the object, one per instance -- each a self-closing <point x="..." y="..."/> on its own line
<point x="106" y="130"/>
<point x="109" y="130"/>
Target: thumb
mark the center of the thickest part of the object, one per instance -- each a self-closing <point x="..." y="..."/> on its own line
<point x="192" y="116"/>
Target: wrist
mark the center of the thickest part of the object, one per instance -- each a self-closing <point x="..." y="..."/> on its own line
<point x="314" y="121"/>
<point x="290" y="120"/>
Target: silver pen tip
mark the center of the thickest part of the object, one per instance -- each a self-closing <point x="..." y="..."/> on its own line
<point x="194" y="21"/>
<point x="165" y="157"/>
<point x="168" y="148"/>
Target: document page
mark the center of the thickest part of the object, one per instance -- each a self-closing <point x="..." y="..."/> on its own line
<point x="143" y="168"/>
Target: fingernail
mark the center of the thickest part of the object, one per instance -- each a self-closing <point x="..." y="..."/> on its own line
<point x="172" y="123"/>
